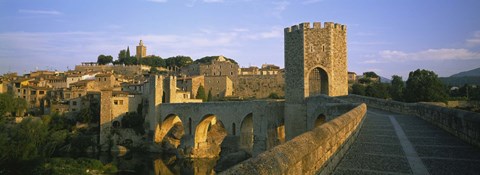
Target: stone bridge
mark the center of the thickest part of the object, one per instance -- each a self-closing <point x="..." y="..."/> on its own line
<point x="389" y="138"/>
<point x="252" y="126"/>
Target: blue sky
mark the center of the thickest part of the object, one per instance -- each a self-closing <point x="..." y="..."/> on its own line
<point x="386" y="36"/>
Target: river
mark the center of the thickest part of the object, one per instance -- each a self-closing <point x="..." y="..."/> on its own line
<point x="157" y="164"/>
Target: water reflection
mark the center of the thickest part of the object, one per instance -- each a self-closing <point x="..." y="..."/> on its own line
<point x="150" y="163"/>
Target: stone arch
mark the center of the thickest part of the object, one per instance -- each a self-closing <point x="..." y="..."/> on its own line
<point x="321" y="119"/>
<point x="162" y="129"/>
<point x="318" y="81"/>
<point x="209" y="135"/>
<point x="275" y="133"/>
<point x="116" y="124"/>
<point x="246" y="133"/>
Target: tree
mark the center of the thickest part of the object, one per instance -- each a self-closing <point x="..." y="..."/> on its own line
<point x="130" y="61"/>
<point x="397" y="87"/>
<point x="127" y="54"/>
<point x="31" y="139"/>
<point x="154" y="70"/>
<point x="358" y="89"/>
<point x="178" y="61"/>
<point x="377" y="90"/>
<point x="12" y="105"/>
<point x="424" y="86"/>
<point x="209" y="59"/>
<point x="84" y="116"/>
<point x="122" y="56"/>
<point x="104" y="59"/>
<point x="135" y="121"/>
<point x="209" y="97"/>
<point x="201" y="93"/>
<point x="370" y="75"/>
<point x="153" y="61"/>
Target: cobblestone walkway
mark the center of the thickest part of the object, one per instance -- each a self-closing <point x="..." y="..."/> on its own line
<point x="391" y="143"/>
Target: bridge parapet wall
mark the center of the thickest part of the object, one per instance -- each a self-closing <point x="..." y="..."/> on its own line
<point x="463" y="124"/>
<point x="310" y="152"/>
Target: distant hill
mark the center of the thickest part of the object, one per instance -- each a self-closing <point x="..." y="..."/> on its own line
<point x="460" y="81"/>
<point x="467" y="77"/>
<point x="470" y="73"/>
<point x="384" y="80"/>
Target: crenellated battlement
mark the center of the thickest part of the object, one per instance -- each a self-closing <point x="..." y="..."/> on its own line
<point x="316" y="25"/>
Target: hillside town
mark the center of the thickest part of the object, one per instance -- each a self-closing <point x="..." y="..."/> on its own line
<point x="72" y="91"/>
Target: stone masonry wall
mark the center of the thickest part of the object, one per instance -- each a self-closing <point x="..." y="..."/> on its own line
<point x="463" y="124"/>
<point x="259" y="86"/>
<point x="308" y="153"/>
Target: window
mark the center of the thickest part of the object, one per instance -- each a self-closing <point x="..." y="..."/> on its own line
<point x="121" y="102"/>
<point x="74" y="110"/>
<point x="115" y="102"/>
<point x="79" y="95"/>
<point x="104" y="79"/>
<point x="41" y="92"/>
<point x="74" y="103"/>
<point x="231" y="73"/>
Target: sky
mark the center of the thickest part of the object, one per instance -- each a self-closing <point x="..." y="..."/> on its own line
<point x="389" y="37"/>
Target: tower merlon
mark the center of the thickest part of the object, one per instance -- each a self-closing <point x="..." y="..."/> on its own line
<point x="316" y="25"/>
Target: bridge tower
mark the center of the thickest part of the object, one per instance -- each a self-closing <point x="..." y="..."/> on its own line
<point x="315" y="63"/>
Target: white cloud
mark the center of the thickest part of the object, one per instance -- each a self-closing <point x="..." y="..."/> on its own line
<point x="274" y="32"/>
<point x="40" y="12"/>
<point x="386" y="56"/>
<point x="475" y="40"/>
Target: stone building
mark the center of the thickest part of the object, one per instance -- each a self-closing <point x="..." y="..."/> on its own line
<point x="117" y="69"/>
<point x="352" y="77"/>
<point x="217" y="67"/>
<point x="57" y="82"/>
<point x="252" y="70"/>
<point x="219" y="86"/>
<point x="315" y="63"/>
<point x="3" y="85"/>
<point x="191" y="84"/>
<point x="141" y="51"/>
